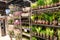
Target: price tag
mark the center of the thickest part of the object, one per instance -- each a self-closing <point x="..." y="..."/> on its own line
<point x="25" y="30"/>
<point x="58" y="23"/>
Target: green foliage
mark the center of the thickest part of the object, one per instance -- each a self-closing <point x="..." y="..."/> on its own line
<point x="33" y="38"/>
<point x="58" y="32"/>
<point x="55" y="1"/>
<point x="10" y="21"/>
<point x="11" y="33"/>
<point x="40" y="2"/>
<point x="47" y="31"/>
<point x="34" y="5"/>
<point x="33" y="17"/>
<point x="48" y="2"/>
<point x="44" y="2"/>
<point x="38" y="29"/>
<point x="33" y="29"/>
<point x="51" y="32"/>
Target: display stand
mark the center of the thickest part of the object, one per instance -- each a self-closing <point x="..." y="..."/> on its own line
<point x="2" y="26"/>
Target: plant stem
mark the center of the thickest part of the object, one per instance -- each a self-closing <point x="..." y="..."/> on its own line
<point x="10" y="38"/>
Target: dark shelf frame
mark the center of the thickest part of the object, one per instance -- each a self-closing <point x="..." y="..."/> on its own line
<point x="52" y="26"/>
<point x="52" y="9"/>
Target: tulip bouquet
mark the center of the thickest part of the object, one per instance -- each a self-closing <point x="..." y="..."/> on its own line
<point x="17" y="14"/>
<point x="17" y="23"/>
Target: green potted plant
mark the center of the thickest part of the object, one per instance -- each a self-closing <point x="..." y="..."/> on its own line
<point x="54" y="18"/>
<point x="58" y="33"/>
<point x="55" y="1"/>
<point x="58" y="17"/>
<point x="34" y="38"/>
<point x="59" y="21"/>
<point x="50" y="18"/>
<point x="51" y="33"/>
<point x="43" y="33"/>
<point x="40" y="17"/>
<point x="10" y="21"/>
<point x="34" y="5"/>
<point x="46" y="18"/>
<point x="32" y="17"/>
<point x="38" y="30"/>
<point x="40" y="3"/>
<point x="34" y="29"/>
<point x="48" y="2"/>
<point x="47" y="32"/>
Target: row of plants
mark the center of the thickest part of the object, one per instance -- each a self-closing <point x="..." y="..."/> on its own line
<point x="46" y="18"/>
<point x="47" y="33"/>
<point x="36" y="38"/>
<point x="45" y="3"/>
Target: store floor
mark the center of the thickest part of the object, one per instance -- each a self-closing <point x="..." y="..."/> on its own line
<point x="8" y="38"/>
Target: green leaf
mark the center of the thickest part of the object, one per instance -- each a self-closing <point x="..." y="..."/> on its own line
<point x="48" y="2"/>
<point x="55" y="1"/>
<point x="33" y="38"/>
<point x="38" y="29"/>
<point x="40" y="2"/>
<point x="33" y="29"/>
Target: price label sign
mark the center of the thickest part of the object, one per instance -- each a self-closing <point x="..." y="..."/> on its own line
<point x="25" y="30"/>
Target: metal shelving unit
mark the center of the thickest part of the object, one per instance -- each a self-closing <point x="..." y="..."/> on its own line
<point x="44" y="10"/>
<point x="30" y="23"/>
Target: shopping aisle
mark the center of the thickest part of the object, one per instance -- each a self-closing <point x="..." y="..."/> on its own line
<point x="8" y="38"/>
<point x="5" y="38"/>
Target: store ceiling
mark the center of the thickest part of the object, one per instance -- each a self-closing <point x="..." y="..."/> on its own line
<point x="6" y="1"/>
